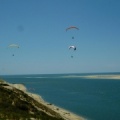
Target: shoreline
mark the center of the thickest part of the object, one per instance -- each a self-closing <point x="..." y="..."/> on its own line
<point x="66" y="114"/>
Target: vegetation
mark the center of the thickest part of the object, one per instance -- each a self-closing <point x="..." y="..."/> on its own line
<point x="17" y="105"/>
<point x="2" y="81"/>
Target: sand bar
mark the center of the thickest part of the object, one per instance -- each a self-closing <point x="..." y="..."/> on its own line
<point x="116" y="77"/>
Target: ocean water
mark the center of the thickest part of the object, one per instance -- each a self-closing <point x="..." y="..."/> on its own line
<point x="92" y="98"/>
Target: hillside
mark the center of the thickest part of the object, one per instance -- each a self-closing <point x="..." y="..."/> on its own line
<point x="17" y="105"/>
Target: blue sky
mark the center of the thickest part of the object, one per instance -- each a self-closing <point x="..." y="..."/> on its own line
<point x="38" y="27"/>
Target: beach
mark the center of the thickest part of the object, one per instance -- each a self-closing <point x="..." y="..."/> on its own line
<point x="66" y="114"/>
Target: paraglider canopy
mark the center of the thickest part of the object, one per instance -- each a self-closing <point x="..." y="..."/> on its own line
<point x="72" y="47"/>
<point x="72" y="27"/>
<point x="13" y="46"/>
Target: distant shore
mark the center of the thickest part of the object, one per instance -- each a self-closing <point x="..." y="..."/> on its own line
<point x="104" y="76"/>
<point x="67" y="115"/>
<point x="116" y="77"/>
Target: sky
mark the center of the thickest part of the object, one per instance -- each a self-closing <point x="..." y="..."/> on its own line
<point x="39" y="28"/>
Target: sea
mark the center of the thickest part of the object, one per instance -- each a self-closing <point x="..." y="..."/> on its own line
<point x="94" y="98"/>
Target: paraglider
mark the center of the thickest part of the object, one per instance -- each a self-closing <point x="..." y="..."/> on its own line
<point x="72" y="28"/>
<point x="73" y="48"/>
<point x="13" y="46"/>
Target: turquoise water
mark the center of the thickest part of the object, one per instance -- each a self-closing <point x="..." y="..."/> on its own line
<point x="94" y="99"/>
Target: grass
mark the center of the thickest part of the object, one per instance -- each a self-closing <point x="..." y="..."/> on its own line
<point x="17" y="105"/>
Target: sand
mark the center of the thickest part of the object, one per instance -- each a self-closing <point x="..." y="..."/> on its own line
<point x="115" y="77"/>
<point x="67" y="115"/>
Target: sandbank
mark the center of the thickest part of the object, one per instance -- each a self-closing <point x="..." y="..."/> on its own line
<point x="95" y="76"/>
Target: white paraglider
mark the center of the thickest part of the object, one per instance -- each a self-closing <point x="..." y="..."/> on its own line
<point x="13" y="46"/>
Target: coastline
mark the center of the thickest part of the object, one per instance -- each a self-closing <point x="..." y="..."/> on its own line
<point x="66" y="114"/>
